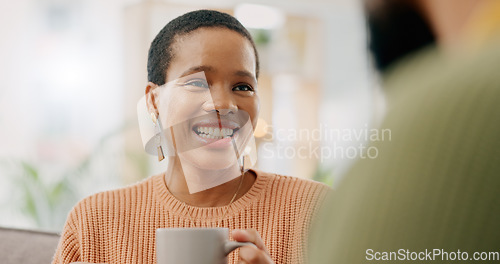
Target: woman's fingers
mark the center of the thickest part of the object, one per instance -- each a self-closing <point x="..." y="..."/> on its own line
<point x="249" y="235"/>
<point x="252" y="255"/>
<point x="248" y="254"/>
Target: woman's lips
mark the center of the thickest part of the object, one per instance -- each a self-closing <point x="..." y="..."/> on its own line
<point x="215" y="133"/>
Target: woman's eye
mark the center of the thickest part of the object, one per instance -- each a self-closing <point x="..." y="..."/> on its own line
<point x="198" y="83"/>
<point x="244" y="88"/>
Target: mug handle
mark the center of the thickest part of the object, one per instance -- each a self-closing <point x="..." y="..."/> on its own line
<point x="232" y="245"/>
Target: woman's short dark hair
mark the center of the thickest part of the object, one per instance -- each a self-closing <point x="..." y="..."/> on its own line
<point x="161" y="52"/>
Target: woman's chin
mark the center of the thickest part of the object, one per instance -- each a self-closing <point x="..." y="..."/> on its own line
<point x="207" y="160"/>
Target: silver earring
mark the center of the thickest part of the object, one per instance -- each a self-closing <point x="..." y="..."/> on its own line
<point x="158" y="131"/>
<point x="242" y="164"/>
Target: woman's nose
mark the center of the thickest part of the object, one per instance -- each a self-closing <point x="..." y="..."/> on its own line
<point x="220" y="100"/>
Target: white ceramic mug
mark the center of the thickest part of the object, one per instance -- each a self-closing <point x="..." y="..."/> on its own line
<point x="194" y="245"/>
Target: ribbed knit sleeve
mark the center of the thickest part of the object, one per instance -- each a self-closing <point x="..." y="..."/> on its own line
<point x="313" y="205"/>
<point x="119" y="226"/>
<point x="68" y="249"/>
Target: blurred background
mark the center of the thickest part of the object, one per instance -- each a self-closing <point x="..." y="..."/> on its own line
<point x="72" y="72"/>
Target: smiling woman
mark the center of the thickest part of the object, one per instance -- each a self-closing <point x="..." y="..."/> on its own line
<point x="202" y="94"/>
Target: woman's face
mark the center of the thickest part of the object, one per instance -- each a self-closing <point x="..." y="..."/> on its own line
<point x="210" y="100"/>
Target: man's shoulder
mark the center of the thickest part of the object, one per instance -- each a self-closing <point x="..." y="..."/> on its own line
<point x="432" y="72"/>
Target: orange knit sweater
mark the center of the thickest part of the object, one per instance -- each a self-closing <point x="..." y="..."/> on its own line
<point x="119" y="226"/>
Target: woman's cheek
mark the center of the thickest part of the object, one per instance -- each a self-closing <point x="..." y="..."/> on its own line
<point x="254" y="110"/>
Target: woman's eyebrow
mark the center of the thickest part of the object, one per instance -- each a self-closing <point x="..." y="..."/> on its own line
<point x="206" y="68"/>
<point x="196" y="69"/>
<point x="245" y="74"/>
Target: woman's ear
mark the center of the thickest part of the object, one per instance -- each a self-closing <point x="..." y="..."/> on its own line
<point x="152" y="98"/>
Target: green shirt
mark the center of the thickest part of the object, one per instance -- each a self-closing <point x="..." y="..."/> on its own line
<point x="436" y="184"/>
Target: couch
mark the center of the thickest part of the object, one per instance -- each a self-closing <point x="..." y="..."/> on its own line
<point x="26" y="247"/>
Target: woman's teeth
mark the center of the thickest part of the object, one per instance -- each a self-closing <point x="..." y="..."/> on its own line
<point x="214" y="132"/>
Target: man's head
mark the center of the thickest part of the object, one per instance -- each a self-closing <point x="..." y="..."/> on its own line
<point x="161" y="51"/>
<point x="396" y="28"/>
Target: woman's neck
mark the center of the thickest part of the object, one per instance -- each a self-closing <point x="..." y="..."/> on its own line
<point x="220" y="195"/>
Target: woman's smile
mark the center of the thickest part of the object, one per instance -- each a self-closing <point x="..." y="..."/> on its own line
<point x="215" y="133"/>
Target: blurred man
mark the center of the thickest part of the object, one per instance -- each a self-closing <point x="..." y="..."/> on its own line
<point x="433" y="193"/>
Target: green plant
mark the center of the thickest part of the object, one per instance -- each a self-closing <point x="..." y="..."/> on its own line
<point x="41" y="201"/>
<point x="45" y="200"/>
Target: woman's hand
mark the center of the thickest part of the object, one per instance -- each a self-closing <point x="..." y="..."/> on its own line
<point x="250" y="254"/>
